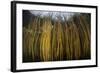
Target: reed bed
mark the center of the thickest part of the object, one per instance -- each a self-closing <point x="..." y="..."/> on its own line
<point x="46" y="39"/>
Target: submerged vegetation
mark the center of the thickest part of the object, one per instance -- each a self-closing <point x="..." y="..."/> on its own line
<point x="49" y="39"/>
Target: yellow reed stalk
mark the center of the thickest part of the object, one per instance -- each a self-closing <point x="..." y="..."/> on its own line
<point x="86" y="41"/>
<point x="28" y="42"/>
<point x="45" y="44"/>
<point x="76" y="43"/>
<point x="67" y="44"/>
<point x="58" y="53"/>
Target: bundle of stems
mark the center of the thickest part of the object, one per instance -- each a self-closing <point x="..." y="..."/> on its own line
<point x="57" y="41"/>
<point x="45" y="41"/>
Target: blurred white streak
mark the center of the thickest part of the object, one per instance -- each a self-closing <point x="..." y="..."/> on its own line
<point x="54" y="15"/>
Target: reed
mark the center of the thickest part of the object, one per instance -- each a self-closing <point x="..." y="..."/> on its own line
<point x="45" y="43"/>
<point x="57" y="41"/>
